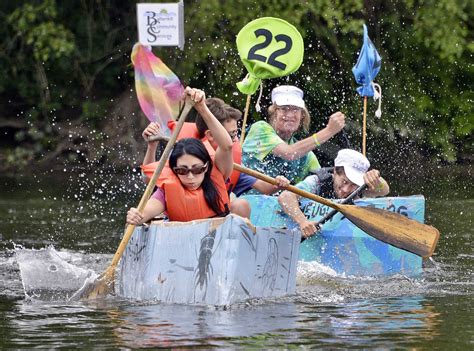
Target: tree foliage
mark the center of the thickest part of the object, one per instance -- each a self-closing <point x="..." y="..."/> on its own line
<point x="67" y="64"/>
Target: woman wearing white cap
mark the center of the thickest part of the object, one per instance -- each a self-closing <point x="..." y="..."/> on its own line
<point x="271" y="148"/>
<point x="351" y="170"/>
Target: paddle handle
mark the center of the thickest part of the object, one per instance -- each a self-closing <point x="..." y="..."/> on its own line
<point x="346" y="144"/>
<point x="151" y="184"/>
<point x="291" y="188"/>
<point x="348" y="199"/>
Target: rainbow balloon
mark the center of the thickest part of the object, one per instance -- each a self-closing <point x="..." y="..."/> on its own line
<point x="159" y="90"/>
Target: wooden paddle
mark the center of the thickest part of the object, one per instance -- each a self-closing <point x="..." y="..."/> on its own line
<point x="389" y="227"/>
<point x="347" y="200"/>
<point x="104" y="284"/>
<point x="332" y="213"/>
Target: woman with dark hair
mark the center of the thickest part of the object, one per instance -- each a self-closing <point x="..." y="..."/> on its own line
<point x="194" y="185"/>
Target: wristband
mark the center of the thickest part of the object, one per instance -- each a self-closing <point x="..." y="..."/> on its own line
<point x="316" y="141"/>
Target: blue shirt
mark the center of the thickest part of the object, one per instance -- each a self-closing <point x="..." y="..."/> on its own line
<point x="244" y="184"/>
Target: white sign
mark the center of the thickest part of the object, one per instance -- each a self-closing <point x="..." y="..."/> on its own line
<point x="161" y="24"/>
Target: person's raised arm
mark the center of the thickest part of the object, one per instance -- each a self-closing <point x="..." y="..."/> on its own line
<point x="223" y="159"/>
<point x="152" y="129"/>
<point x="301" y="148"/>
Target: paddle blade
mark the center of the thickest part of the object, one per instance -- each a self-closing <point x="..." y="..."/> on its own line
<point x="97" y="288"/>
<point x="394" y="229"/>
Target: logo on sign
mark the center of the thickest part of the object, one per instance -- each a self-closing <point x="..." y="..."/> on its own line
<point x="156" y="21"/>
<point x="161" y="24"/>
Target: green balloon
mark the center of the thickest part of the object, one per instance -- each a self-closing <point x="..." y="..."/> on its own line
<point x="268" y="47"/>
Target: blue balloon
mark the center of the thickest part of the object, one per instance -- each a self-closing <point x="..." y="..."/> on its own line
<point x="367" y="66"/>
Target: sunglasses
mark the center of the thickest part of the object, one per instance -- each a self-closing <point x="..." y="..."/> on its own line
<point x="194" y="170"/>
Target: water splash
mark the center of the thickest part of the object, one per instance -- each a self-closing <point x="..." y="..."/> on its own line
<point x="47" y="275"/>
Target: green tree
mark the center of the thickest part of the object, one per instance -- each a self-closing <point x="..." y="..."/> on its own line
<point x="66" y="66"/>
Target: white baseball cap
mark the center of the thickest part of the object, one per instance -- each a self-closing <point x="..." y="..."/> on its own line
<point x="288" y="95"/>
<point x="355" y="165"/>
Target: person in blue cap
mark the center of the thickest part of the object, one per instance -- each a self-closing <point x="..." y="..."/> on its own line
<point x="271" y="148"/>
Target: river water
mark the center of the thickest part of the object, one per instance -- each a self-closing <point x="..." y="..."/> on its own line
<point x="80" y="218"/>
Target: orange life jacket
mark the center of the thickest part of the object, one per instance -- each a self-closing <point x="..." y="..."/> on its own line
<point x="186" y="205"/>
<point x="188" y="130"/>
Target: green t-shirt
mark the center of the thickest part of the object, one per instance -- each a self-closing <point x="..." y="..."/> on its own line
<point x="257" y="155"/>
